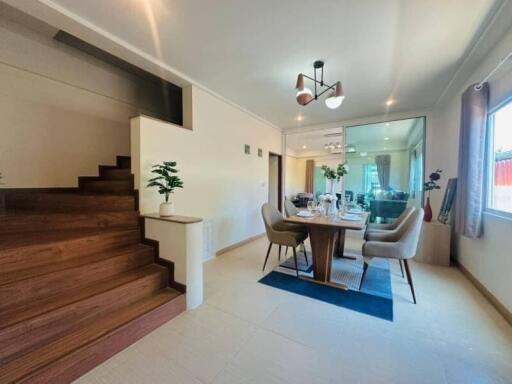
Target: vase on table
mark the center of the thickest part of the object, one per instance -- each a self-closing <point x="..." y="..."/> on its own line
<point x="428" y="211"/>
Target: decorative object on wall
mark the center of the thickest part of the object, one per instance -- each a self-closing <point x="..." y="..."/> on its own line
<point x="449" y="197"/>
<point x="167" y="182"/>
<point x="430" y="185"/>
<point x="260" y="152"/>
<point x="305" y="95"/>
<point x="247" y="149"/>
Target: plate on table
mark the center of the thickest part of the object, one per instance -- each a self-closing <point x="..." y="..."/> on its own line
<point x="350" y="217"/>
<point x="355" y="210"/>
<point x="305" y="214"/>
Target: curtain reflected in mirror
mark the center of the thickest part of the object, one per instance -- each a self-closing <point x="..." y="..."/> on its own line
<point x="386" y="167"/>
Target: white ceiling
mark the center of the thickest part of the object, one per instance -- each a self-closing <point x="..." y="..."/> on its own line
<point x="314" y="142"/>
<point x="251" y="51"/>
<point x="385" y="136"/>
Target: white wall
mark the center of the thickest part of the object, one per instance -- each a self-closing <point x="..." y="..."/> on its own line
<point x="221" y="183"/>
<point x="63" y="112"/>
<point x="488" y="258"/>
<point x="295" y="176"/>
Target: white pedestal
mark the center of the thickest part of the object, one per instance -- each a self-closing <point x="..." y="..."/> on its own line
<point x="181" y="241"/>
<point x="434" y="244"/>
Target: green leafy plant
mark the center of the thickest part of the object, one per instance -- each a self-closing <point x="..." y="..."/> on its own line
<point x="431" y="183"/>
<point x="166" y="181"/>
<point x="331" y="173"/>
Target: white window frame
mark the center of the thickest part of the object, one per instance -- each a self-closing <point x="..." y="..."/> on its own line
<point x="489" y="168"/>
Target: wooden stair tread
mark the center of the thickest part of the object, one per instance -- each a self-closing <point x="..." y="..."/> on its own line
<point x="69" y="201"/>
<point x="22" y="274"/>
<point x="28" y="221"/>
<point x="8" y="241"/>
<point x="27" y="364"/>
<point x="15" y="314"/>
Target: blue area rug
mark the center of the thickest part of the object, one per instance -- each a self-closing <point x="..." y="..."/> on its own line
<point x="375" y="297"/>
<point x="301" y="263"/>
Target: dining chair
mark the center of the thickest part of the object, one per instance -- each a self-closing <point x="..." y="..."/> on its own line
<point x="374" y="227"/>
<point x="281" y="233"/>
<point x="401" y="244"/>
<point x="381" y="232"/>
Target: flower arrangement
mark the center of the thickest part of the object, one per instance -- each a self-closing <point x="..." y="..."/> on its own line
<point x="332" y="174"/>
<point x="431" y="184"/>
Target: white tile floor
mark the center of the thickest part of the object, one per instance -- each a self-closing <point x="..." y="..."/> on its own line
<point x="247" y="332"/>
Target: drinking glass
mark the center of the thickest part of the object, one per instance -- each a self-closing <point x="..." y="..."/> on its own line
<point x="311" y="205"/>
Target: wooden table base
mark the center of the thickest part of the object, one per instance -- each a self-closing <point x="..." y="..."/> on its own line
<point x="327" y="283"/>
<point x="323" y="244"/>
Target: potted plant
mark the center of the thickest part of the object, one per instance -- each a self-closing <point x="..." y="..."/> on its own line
<point x="166" y="181"/>
<point x="430" y="185"/>
<point x="334" y="174"/>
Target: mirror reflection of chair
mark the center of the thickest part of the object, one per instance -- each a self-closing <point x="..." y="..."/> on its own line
<point x="281" y="233"/>
<point x="400" y="244"/>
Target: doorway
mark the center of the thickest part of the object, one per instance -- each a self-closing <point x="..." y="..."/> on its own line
<point x="275" y="172"/>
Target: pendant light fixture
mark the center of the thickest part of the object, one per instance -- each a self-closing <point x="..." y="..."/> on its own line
<point x="305" y="95"/>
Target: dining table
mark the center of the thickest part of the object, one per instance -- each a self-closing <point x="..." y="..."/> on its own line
<point x="327" y="238"/>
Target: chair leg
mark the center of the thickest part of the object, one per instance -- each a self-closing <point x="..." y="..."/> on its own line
<point x="365" y="268"/>
<point x="295" y="258"/>
<point x="409" y="279"/>
<point x="305" y="254"/>
<point x="266" y="257"/>
<point x="286" y="252"/>
<point x="280" y="254"/>
<point x="401" y="267"/>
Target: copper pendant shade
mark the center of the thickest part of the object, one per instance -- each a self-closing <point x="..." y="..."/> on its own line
<point x="305" y="95"/>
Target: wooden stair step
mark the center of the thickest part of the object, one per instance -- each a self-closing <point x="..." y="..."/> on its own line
<point x="68" y="202"/>
<point x="83" y="348"/>
<point x="124" y="162"/>
<point x="15" y="314"/>
<point x="115" y="187"/>
<point x="36" y="288"/>
<point x="114" y="173"/>
<point x="21" y="274"/>
<point x="30" y="222"/>
<point x="47" y="326"/>
<point x="35" y="249"/>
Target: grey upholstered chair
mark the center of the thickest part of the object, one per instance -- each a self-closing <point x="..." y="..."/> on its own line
<point x="381" y="232"/>
<point x="373" y="227"/>
<point x="289" y="208"/>
<point x="401" y="244"/>
<point x="281" y="233"/>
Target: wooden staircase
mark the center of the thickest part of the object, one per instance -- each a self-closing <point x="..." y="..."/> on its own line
<point x="78" y="283"/>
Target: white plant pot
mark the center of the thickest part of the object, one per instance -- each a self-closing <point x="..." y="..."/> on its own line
<point x="166" y="209"/>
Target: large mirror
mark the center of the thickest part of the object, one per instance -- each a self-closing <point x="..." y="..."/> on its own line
<point x="386" y="162"/>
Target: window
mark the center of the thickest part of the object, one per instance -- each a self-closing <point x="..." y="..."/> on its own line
<point x="371" y="178"/>
<point x="499" y="191"/>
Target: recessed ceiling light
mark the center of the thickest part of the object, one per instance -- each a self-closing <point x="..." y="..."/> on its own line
<point x="387" y="124"/>
<point x="390" y="102"/>
<point x="386" y="138"/>
<point x="364" y="154"/>
<point x="299" y="118"/>
<point x="304" y="147"/>
<point x="385" y="147"/>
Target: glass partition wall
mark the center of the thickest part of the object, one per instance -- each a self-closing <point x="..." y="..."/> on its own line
<point x="386" y="162"/>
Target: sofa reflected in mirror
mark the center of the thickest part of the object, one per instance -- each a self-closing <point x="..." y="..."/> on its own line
<point x="387" y="205"/>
